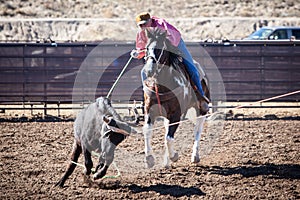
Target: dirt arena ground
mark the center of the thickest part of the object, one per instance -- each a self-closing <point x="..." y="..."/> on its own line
<point x="256" y="156"/>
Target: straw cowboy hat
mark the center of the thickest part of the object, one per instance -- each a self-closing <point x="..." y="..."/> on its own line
<point x="142" y="18"/>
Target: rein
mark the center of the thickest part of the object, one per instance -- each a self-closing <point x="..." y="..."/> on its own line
<point x="158" y="99"/>
<point x="163" y="96"/>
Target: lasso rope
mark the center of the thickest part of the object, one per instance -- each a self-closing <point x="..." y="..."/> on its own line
<point x="120" y="75"/>
<point x="269" y="99"/>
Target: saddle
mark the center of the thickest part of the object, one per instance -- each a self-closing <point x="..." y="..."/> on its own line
<point x="183" y="69"/>
<point x="174" y="58"/>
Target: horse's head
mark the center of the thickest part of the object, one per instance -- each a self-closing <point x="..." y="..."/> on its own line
<point x="156" y="56"/>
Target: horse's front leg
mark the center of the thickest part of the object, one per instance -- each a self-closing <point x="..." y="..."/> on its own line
<point x="170" y="153"/>
<point x="197" y="134"/>
<point x="147" y="131"/>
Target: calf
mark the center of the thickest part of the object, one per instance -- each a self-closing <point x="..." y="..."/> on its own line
<point x="97" y="128"/>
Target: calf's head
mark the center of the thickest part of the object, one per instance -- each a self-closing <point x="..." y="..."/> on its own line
<point x="114" y="132"/>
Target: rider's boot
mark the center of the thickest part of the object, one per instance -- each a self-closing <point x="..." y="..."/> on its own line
<point x="202" y="102"/>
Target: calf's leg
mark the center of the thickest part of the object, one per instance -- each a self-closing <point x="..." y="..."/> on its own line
<point x="106" y="158"/>
<point x="74" y="157"/>
<point x="87" y="161"/>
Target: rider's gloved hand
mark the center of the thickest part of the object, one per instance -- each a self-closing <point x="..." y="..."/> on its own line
<point x="134" y="53"/>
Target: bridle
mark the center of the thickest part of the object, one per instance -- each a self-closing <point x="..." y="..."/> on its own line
<point x="151" y="55"/>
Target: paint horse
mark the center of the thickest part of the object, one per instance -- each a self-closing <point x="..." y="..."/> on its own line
<point x="168" y="92"/>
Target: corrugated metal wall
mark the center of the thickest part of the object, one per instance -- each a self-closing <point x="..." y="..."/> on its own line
<point x="51" y="72"/>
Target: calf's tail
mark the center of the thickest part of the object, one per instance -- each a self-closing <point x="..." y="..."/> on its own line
<point x="77" y="150"/>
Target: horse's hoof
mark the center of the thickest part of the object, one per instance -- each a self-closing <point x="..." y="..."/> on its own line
<point x="149" y="161"/>
<point x="175" y="157"/>
<point x="195" y="159"/>
<point x="167" y="166"/>
<point x="166" y="162"/>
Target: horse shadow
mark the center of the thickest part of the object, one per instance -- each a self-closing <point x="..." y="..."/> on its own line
<point x="164" y="189"/>
<point x="281" y="171"/>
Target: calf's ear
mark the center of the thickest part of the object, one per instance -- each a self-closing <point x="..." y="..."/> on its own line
<point x="106" y="119"/>
<point x="109" y="121"/>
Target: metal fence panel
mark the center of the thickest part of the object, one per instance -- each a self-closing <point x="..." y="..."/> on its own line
<point x="46" y="72"/>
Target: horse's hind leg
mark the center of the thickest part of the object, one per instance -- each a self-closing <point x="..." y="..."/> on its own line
<point x="197" y="134"/>
<point x="74" y="158"/>
<point x="170" y="153"/>
<point x="147" y="131"/>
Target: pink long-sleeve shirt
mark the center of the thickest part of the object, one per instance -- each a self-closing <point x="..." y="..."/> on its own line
<point x="173" y="35"/>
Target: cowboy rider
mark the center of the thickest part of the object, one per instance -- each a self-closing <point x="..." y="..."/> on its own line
<point x="144" y="20"/>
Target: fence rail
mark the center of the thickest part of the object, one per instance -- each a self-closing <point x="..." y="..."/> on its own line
<point x="47" y="73"/>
